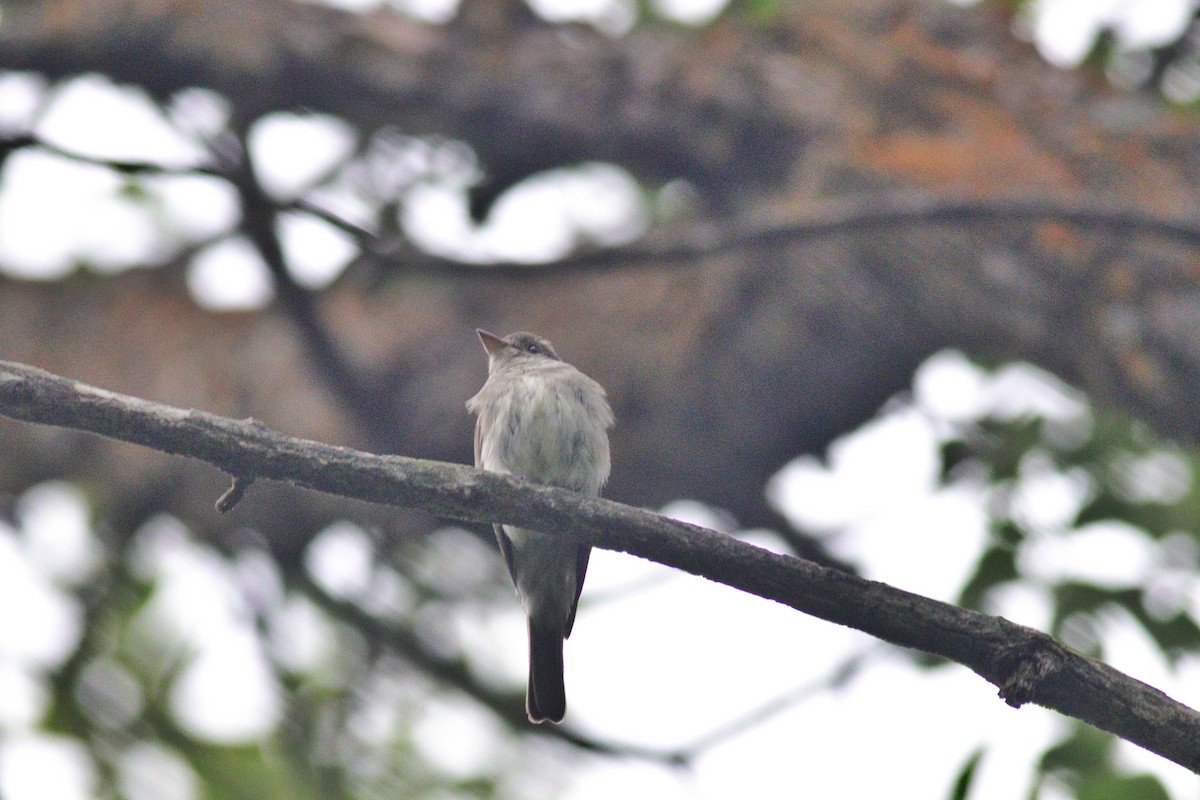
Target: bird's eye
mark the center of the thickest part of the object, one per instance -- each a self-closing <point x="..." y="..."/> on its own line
<point x="533" y="348"/>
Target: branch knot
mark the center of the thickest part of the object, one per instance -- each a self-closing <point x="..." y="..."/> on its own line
<point x="1022" y="668"/>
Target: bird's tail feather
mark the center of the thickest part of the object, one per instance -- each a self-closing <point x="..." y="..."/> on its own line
<point x="547" y="695"/>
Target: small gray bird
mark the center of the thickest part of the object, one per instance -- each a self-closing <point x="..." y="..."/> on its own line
<point x="541" y="419"/>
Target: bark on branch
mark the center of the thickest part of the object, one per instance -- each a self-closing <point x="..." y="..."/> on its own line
<point x="1026" y="665"/>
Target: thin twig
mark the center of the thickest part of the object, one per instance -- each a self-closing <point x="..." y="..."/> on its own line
<point x="123" y="166"/>
<point x="835" y="678"/>
<point x="233" y="495"/>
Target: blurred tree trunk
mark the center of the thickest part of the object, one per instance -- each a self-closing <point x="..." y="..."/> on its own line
<point x="720" y="370"/>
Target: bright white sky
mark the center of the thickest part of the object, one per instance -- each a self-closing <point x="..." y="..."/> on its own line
<point x="662" y="658"/>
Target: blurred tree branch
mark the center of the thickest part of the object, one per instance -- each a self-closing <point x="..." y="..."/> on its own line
<point x="463" y="80"/>
<point x="260" y="217"/>
<point x="1026" y="665"/>
<point x="695" y="240"/>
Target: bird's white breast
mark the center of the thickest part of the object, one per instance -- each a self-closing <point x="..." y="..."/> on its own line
<point x="556" y="429"/>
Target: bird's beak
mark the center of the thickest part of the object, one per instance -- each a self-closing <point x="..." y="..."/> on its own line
<point x="491" y="342"/>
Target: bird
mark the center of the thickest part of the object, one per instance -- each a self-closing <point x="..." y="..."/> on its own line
<point x="541" y="419"/>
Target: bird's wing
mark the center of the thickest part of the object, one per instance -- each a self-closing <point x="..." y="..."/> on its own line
<point x="506" y="550"/>
<point x="478" y="438"/>
<point x="581" y="564"/>
<point x="482" y="420"/>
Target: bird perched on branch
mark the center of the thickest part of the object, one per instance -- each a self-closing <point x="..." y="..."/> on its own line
<point x="539" y="418"/>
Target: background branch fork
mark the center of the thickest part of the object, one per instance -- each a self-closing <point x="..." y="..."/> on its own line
<point x="1028" y="666"/>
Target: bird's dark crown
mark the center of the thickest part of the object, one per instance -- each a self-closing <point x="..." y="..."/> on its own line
<point x="532" y="343"/>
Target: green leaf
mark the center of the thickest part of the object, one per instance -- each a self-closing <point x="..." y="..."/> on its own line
<point x="1121" y="787"/>
<point x="1103" y="506"/>
<point x="1006" y="443"/>
<point x="243" y="773"/>
<point x="1174" y="634"/>
<point x="1085" y="749"/>
<point x="133" y="189"/>
<point x="997" y="566"/>
<point x="1085" y="598"/>
<point x="966" y="776"/>
<point x="1084" y="760"/>
<point x="954" y="453"/>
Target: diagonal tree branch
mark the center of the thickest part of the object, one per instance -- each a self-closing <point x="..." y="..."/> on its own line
<point x="260" y="215"/>
<point x="1026" y="665"/>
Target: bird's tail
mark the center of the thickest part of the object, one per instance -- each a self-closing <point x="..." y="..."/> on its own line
<point x="547" y="695"/>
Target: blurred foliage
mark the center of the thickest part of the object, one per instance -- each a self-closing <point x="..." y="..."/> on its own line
<point x="1129" y="476"/>
<point x="1082" y="764"/>
<point x="1126" y="477"/>
<point x="1171" y="68"/>
<point x="348" y="710"/>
